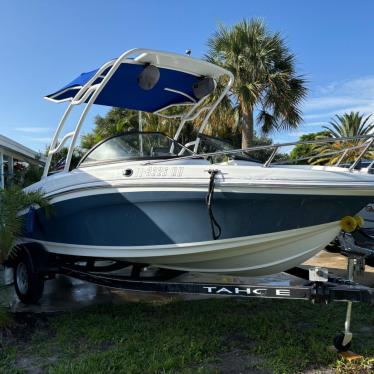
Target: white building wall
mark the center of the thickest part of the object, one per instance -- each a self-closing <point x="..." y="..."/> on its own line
<point x="14" y="150"/>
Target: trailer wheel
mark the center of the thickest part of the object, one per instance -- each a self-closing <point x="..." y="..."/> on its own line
<point x="338" y="343"/>
<point x="28" y="283"/>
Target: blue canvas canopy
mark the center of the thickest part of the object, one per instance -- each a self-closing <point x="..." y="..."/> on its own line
<point x="123" y="89"/>
<point x="145" y="80"/>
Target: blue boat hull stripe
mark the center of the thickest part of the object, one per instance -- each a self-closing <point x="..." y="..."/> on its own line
<point x="161" y="218"/>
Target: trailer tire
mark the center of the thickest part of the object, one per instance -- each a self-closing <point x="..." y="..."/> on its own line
<point x="28" y="283"/>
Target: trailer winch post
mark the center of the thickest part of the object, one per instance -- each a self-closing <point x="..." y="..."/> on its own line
<point x="347" y="324"/>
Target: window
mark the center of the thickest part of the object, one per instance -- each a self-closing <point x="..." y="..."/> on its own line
<point x="134" y="146"/>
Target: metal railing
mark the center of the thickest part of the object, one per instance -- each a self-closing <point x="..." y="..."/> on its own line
<point x="367" y="142"/>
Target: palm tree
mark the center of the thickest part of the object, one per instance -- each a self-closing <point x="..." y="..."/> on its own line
<point x="224" y="122"/>
<point x="347" y="125"/>
<point x="265" y="78"/>
<point x="12" y="201"/>
<point x="117" y="120"/>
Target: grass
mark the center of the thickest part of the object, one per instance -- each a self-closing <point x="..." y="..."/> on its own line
<point x="5" y="318"/>
<point x="191" y="337"/>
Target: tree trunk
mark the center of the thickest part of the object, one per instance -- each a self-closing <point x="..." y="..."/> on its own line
<point x="247" y="126"/>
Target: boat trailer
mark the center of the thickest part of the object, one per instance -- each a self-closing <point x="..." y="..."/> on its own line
<point x="32" y="266"/>
<point x="319" y="288"/>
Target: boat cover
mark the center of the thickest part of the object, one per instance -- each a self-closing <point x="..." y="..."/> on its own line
<point x="123" y="90"/>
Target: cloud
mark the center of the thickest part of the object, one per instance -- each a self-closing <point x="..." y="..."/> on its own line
<point x="33" y="130"/>
<point x="297" y="134"/>
<point x="334" y="98"/>
<point x="314" y="124"/>
<point x="340" y="97"/>
<point x="45" y="139"/>
<point x="333" y="102"/>
<point x="364" y="84"/>
<point x="324" y="90"/>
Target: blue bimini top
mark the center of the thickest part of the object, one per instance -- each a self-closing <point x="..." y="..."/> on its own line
<point x="124" y="91"/>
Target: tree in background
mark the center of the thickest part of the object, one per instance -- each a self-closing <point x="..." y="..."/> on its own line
<point x="307" y="150"/>
<point x="346" y="125"/>
<point x="349" y="125"/>
<point x="265" y="77"/>
<point x="27" y="175"/>
<point x="224" y="124"/>
<point x="58" y="159"/>
<point x="265" y="81"/>
<point x="117" y="120"/>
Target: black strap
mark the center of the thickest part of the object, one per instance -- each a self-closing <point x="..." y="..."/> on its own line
<point x="216" y="228"/>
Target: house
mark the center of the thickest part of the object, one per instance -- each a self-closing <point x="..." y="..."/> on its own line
<point x="14" y="155"/>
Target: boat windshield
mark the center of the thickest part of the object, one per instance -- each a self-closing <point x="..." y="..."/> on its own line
<point x="134" y="146"/>
<point x="209" y="144"/>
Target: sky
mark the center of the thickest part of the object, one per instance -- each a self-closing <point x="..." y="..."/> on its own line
<point x="45" y="44"/>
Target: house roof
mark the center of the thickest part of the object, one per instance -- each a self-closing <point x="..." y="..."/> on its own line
<point x="10" y="146"/>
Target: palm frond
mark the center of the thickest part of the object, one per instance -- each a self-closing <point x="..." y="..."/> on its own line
<point x="12" y="201"/>
<point x="347" y="125"/>
<point x="264" y="71"/>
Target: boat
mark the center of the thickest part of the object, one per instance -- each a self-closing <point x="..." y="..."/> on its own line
<point x="146" y="199"/>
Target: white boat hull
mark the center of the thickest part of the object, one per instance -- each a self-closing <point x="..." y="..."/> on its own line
<point x="272" y="219"/>
<point x="251" y="255"/>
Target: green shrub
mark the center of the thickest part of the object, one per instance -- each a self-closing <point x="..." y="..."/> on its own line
<point x="12" y="201"/>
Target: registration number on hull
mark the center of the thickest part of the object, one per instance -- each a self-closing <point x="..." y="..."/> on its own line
<point x="159" y="171"/>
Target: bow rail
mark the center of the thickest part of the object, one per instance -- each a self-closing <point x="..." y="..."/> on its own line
<point x="365" y="146"/>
